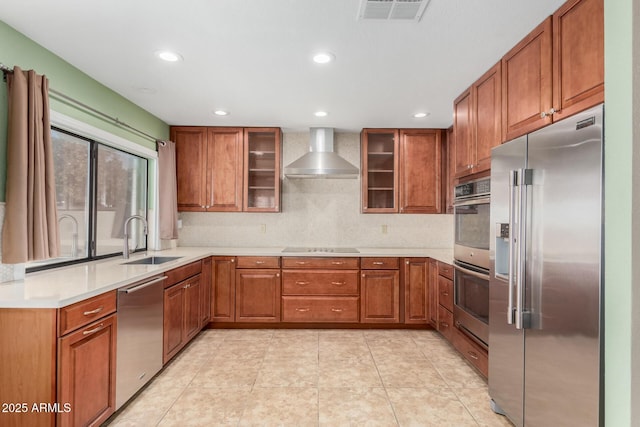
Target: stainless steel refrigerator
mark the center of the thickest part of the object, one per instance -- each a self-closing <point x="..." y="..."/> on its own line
<point x="546" y="275"/>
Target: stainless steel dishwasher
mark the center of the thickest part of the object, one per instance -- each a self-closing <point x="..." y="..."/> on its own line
<point x="139" y="339"/>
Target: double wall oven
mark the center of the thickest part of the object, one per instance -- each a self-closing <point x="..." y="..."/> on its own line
<point x="471" y="259"/>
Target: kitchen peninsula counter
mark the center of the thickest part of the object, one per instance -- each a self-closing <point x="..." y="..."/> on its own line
<point x="63" y="286"/>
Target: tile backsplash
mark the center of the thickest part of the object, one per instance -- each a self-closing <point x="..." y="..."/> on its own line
<point x="317" y="212"/>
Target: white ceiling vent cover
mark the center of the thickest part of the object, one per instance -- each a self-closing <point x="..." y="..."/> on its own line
<point x="392" y="10"/>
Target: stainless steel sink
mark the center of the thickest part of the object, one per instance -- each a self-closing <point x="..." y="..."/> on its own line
<point x="153" y="260"/>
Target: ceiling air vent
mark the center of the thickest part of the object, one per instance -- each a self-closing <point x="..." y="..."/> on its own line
<point x="392" y="10"/>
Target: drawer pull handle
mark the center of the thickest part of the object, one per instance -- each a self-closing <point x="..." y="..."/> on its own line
<point x="473" y="355"/>
<point x="338" y="283"/>
<point x="302" y="310"/>
<point x="96" y="329"/>
<point x="259" y="262"/>
<point x="301" y="262"/>
<point x="337" y="262"/>
<point x="378" y="263"/>
<point x="337" y="310"/>
<point x="446" y="294"/>
<point x="302" y="283"/>
<point x="96" y="311"/>
<point x="444" y="324"/>
<point x="188" y="285"/>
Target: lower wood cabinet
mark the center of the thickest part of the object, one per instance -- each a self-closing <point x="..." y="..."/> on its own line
<point x="380" y="296"/>
<point x="257" y="295"/>
<point x="223" y="289"/>
<point x="321" y="309"/>
<point x="87" y="374"/>
<point x="182" y="320"/>
<point x="472" y="351"/>
<point x="206" y="289"/>
<point x="416" y="290"/>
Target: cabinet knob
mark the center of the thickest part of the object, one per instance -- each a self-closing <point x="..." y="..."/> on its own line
<point x="233" y="260"/>
<point x="277" y="274"/>
<point x="407" y="262"/>
<point x="551" y="112"/>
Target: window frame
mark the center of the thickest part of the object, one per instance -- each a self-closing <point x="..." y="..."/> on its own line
<point x="96" y="137"/>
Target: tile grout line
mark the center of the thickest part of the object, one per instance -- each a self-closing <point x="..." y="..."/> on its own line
<point x="384" y="386"/>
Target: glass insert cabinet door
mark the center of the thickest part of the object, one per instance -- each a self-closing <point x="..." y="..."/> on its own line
<point x="379" y="170"/>
<point x="262" y="169"/>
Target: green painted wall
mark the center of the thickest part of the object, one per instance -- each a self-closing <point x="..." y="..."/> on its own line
<point x="16" y="49"/>
<point x="620" y="360"/>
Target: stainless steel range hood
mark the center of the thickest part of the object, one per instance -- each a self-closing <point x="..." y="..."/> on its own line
<point x="321" y="161"/>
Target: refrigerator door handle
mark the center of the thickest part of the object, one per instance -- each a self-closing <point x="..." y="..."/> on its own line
<point x="524" y="179"/>
<point x="513" y="176"/>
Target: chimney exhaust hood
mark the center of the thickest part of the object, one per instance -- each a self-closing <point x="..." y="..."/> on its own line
<point x="321" y="161"/>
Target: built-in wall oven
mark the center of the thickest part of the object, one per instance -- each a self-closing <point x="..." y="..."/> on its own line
<point x="471" y="259"/>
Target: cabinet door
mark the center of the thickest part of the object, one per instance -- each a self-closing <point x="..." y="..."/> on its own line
<point x="527" y="83"/>
<point x="173" y="328"/>
<point x="463" y="131"/>
<point x="206" y="283"/>
<point x="420" y="171"/>
<point x="487" y="116"/>
<point x="416" y="290"/>
<point x="262" y="169"/>
<point x="257" y="295"/>
<point x="87" y="373"/>
<point x="224" y="169"/>
<point x="450" y="161"/>
<point x="192" y="305"/>
<point x="578" y="56"/>
<point x="433" y="293"/>
<point x="191" y="150"/>
<point x="379" y="157"/>
<point x="379" y="296"/>
<point x="223" y="292"/>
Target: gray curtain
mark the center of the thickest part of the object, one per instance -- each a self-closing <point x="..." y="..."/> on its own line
<point x="30" y="229"/>
<point x="167" y="191"/>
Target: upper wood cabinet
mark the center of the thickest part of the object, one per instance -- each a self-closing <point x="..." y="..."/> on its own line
<point x="420" y="171"/>
<point x="478" y="123"/>
<point x="557" y="70"/>
<point x="262" y="169"/>
<point x="401" y="171"/>
<point x="227" y="169"/>
<point x="449" y="165"/>
<point x="379" y="170"/>
<point x="578" y="56"/>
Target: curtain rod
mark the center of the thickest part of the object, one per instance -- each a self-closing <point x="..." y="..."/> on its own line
<point x="115" y="120"/>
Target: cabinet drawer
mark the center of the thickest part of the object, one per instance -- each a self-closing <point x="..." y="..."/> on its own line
<point x="181" y="273"/>
<point x="258" y="262"/>
<point x="320" y="309"/>
<point x="84" y="312"/>
<point x="445" y="322"/>
<point x="379" y="263"/>
<point x="445" y="293"/>
<point x="445" y="270"/>
<point x="326" y="282"/>
<point x="309" y="262"/>
<point x="471" y="351"/>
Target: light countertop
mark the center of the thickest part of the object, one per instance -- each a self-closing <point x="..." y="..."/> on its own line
<point x="66" y="285"/>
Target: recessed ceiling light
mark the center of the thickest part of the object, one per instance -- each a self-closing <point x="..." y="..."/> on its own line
<point x="323" y="57"/>
<point x="221" y="113"/>
<point x="420" y="115"/>
<point x="320" y="114"/>
<point x="167" y="55"/>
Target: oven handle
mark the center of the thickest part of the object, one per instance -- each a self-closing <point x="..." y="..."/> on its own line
<point x="467" y="202"/>
<point x="479" y="275"/>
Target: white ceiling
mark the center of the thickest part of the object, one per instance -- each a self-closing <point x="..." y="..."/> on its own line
<point x="253" y="57"/>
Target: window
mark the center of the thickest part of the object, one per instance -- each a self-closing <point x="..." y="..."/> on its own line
<point x="95" y="193"/>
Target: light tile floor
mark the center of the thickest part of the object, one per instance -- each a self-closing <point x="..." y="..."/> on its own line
<point x="314" y="378"/>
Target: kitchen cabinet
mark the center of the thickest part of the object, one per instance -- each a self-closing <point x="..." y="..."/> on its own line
<point x="478" y="123"/>
<point x="433" y="293"/>
<point x="401" y="170"/>
<point x="182" y="319"/>
<point x="448" y="168"/>
<point x="257" y="289"/>
<point x="416" y="290"/>
<point x="443" y="286"/>
<point x="223" y="290"/>
<point x="379" y="162"/>
<point x="555" y="71"/>
<point x="262" y="169"/>
<point x="475" y="354"/>
<point x="87" y="373"/>
<point x="205" y="294"/>
<point x="209" y="165"/>
<point x="320" y="290"/>
<point x="379" y="290"/>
